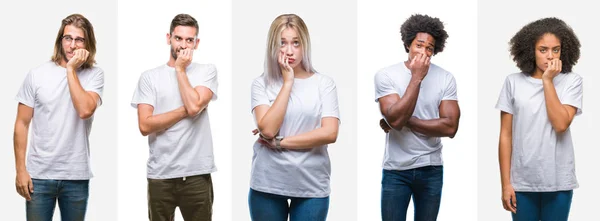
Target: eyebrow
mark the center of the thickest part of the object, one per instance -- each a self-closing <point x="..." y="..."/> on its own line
<point x="73" y="37"/>
<point x="177" y="36"/>
<point x="430" y="44"/>
<point x="294" y="38"/>
<point x="544" y="47"/>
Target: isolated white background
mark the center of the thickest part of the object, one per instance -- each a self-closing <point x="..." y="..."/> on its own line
<point x="332" y="28"/>
<point x="143" y="26"/>
<point x="29" y="31"/>
<point x="380" y="45"/>
<point x="498" y="22"/>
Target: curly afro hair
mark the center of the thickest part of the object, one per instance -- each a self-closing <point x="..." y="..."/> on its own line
<point x="424" y="23"/>
<point x="522" y="45"/>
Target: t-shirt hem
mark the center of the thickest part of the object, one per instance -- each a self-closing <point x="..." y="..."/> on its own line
<point x="201" y="172"/>
<point x="61" y="177"/>
<point x="291" y="194"/>
<point x="545" y="189"/>
<point x="411" y="166"/>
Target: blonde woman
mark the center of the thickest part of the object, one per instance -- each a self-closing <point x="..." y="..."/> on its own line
<point x="296" y="113"/>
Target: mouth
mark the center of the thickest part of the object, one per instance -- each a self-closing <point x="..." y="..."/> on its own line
<point x="291" y="60"/>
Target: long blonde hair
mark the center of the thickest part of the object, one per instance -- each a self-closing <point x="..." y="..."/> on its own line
<point x="272" y="71"/>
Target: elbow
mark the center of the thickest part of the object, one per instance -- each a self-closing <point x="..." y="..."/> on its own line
<point x="452" y="131"/>
<point x="145" y="131"/>
<point x="267" y="134"/>
<point x="85" y="114"/>
<point x="561" y="128"/>
<point x="193" y="110"/>
<point x="332" y="137"/>
<point x="398" y="124"/>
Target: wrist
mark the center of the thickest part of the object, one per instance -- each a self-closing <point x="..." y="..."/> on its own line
<point x="279" y="142"/>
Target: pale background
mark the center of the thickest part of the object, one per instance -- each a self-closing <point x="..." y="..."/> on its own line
<point x="379" y="46"/>
<point x="332" y="28"/>
<point x="498" y="23"/>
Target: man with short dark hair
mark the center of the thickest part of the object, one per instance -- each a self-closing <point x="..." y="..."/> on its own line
<point x="171" y="101"/>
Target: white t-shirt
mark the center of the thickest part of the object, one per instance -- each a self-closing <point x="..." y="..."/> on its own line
<point x="295" y="173"/>
<point x="542" y="160"/>
<point x="59" y="145"/>
<point x="186" y="148"/>
<point x="406" y="149"/>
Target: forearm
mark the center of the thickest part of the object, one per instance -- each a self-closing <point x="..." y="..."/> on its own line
<point x="84" y="103"/>
<point x="557" y="113"/>
<point x="311" y="139"/>
<point x="400" y="112"/>
<point x="192" y="100"/>
<point x="20" y="145"/>
<point x="440" y="127"/>
<point x="269" y="124"/>
<point x="160" y="122"/>
<point x="504" y="155"/>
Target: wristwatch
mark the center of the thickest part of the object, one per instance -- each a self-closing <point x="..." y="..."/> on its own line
<point x="278" y="140"/>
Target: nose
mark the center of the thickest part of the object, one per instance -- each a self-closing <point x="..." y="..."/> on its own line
<point x="549" y="55"/>
<point x="288" y="50"/>
<point x="73" y="45"/>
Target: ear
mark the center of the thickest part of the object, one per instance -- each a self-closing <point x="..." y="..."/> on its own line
<point x="197" y="43"/>
<point x="168" y="38"/>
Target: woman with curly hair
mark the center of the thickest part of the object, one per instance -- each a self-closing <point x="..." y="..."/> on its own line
<point x="296" y="111"/>
<point x="419" y="104"/>
<point x="537" y="105"/>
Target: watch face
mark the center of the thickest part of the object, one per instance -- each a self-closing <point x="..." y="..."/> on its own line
<point x="279" y="137"/>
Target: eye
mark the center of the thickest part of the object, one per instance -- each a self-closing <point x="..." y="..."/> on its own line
<point x="556" y="50"/>
<point x="177" y="38"/>
<point x="543" y="50"/>
<point x="68" y="38"/>
<point x="296" y="43"/>
<point x="282" y="43"/>
<point x="80" y="40"/>
<point x="430" y="49"/>
<point x="419" y="45"/>
<point x="189" y="41"/>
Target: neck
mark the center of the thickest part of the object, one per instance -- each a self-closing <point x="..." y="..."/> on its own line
<point x="171" y="62"/>
<point x="301" y="73"/>
<point x="537" y="74"/>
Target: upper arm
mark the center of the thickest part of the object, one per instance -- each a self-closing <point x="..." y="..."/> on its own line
<point x="206" y="94"/>
<point x="386" y="102"/>
<point x="506" y="121"/>
<point x="144" y="111"/>
<point x="259" y="112"/>
<point x="24" y="114"/>
<point x="331" y="123"/>
<point x="449" y="109"/>
<point x="571" y="111"/>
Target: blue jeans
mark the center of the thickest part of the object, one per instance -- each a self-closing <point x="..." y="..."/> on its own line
<point x="545" y="206"/>
<point x="272" y="207"/>
<point x="72" y="196"/>
<point x="423" y="184"/>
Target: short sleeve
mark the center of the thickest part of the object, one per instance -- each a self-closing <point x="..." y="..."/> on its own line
<point x="383" y="85"/>
<point x="573" y="94"/>
<point x="145" y="92"/>
<point x="329" y="99"/>
<point x="258" y="93"/>
<point x="26" y="94"/>
<point x="209" y="80"/>
<point x="450" y="88"/>
<point x="506" y="100"/>
<point x="96" y="84"/>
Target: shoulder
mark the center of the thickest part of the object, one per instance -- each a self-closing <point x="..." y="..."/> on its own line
<point x="202" y="68"/>
<point x="437" y="70"/>
<point x="324" y="79"/>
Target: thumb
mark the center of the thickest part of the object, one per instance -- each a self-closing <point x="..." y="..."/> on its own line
<point x="30" y="185"/>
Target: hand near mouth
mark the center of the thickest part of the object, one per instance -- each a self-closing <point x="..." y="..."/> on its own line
<point x="419" y="66"/>
<point x="553" y="69"/>
<point x="287" y="71"/>
<point x="184" y="58"/>
<point x="80" y="56"/>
